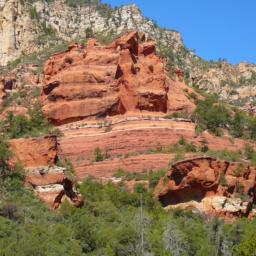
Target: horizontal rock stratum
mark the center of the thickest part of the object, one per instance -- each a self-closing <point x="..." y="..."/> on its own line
<point x="96" y="81"/>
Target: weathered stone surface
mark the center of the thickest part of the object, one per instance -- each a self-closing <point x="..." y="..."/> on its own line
<point x="35" y="152"/>
<point x="127" y="141"/>
<point x="80" y="83"/>
<point x="132" y="164"/>
<point x="19" y="32"/>
<point x="52" y="186"/>
<point x="178" y="98"/>
<point x="19" y="35"/>
<point x="50" y="183"/>
<point x="101" y="80"/>
<point x="210" y="186"/>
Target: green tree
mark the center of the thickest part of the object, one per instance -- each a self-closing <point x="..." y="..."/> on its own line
<point x="238" y="124"/>
<point x="5" y="154"/>
<point x="247" y="247"/>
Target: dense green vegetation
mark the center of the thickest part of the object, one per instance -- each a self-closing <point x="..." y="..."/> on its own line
<point x="111" y="224"/>
<point x="33" y="125"/>
<point x="216" y="116"/>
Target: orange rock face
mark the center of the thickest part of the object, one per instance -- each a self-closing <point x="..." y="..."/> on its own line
<point x="133" y="164"/>
<point x="210" y="186"/>
<point x="128" y="142"/>
<point x="96" y="80"/>
<point x="38" y="156"/>
<point x="52" y="186"/>
<point x="35" y="152"/>
<point x="178" y="99"/>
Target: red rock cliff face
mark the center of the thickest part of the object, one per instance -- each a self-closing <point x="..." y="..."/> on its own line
<point x="210" y="186"/>
<point x="98" y="80"/>
<point x="50" y="183"/>
<point x="35" y="152"/>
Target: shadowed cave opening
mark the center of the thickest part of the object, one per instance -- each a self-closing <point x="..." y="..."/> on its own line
<point x="193" y="193"/>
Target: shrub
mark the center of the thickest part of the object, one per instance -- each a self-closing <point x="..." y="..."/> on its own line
<point x="212" y="115"/>
<point x="98" y="155"/>
<point x="88" y="33"/>
<point x="238" y="125"/>
<point x="9" y="211"/>
<point x="154" y="177"/>
<point x="178" y="115"/>
<point x="247" y="246"/>
<point x="33" y="13"/>
<point x="230" y="156"/>
<point x="223" y="180"/>
<point x="239" y="170"/>
<point x="249" y="151"/>
<point x="5" y="154"/>
<point x="34" y="125"/>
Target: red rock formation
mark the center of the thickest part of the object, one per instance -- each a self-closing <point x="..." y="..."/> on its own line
<point x="38" y="156"/>
<point x="209" y="185"/>
<point x="132" y="164"/>
<point x="98" y="80"/>
<point x="130" y="136"/>
<point x="35" y="152"/>
<point x="141" y="76"/>
<point x="52" y="186"/>
<point x="178" y="97"/>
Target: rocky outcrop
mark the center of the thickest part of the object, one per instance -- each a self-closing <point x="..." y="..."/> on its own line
<point x="80" y="83"/>
<point x="209" y="186"/>
<point x="235" y="83"/>
<point x="34" y="152"/>
<point x="21" y="25"/>
<point x="7" y="84"/>
<point x="96" y="80"/>
<point x="50" y="183"/>
<point x="17" y="30"/>
<point x="141" y="76"/>
<point x="132" y="143"/>
<point x="52" y="186"/>
<point x="178" y="97"/>
<point x="131" y="164"/>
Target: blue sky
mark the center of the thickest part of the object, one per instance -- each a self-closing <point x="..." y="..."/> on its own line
<point x="213" y="28"/>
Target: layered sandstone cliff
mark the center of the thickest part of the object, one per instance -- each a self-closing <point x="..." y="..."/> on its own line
<point x="24" y="26"/>
<point x="96" y="81"/>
